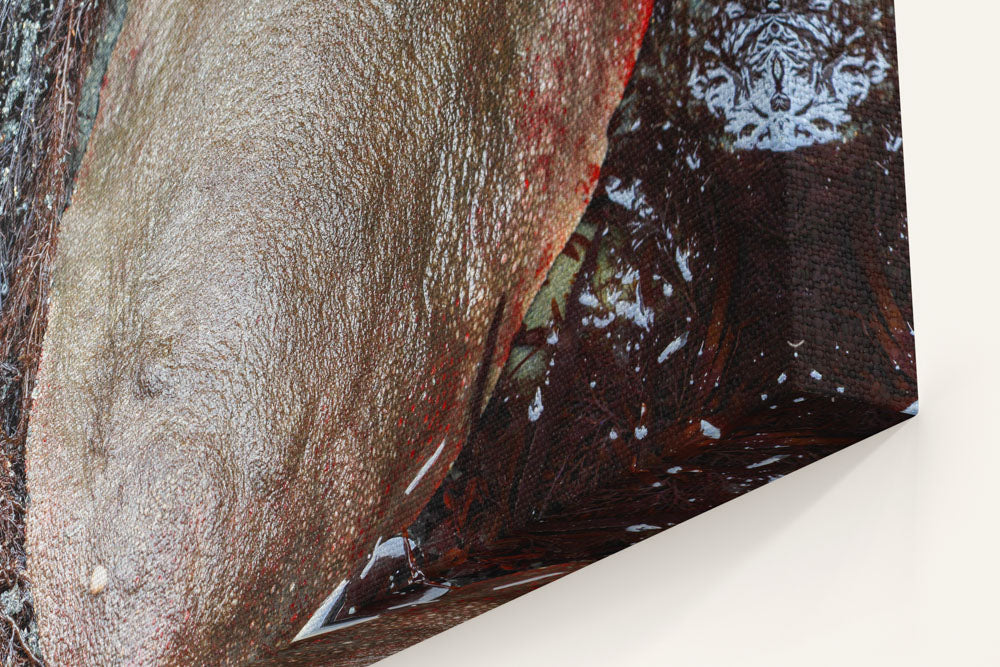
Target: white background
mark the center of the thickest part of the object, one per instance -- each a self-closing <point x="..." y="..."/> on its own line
<point x="887" y="553"/>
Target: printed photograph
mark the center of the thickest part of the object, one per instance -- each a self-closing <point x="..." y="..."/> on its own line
<point x="329" y="325"/>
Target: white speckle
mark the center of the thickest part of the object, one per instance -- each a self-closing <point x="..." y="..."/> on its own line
<point x="600" y="323"/>
<point x="668" y="290"/>
<point x="641" y="432"/>
<point x="535" y="409"/>
<point x="710" y="431"/>
<point x="629" y="197"/>
<point x="796" y="345"/>
<point x="352" y="611"/>
<point x="588" y="299"/>
<point x="527" y="581"/>
<point x="682" y="263"/>
<point x="913" y="409"/>
<point x="799" y="400"/>
<point x="98" y="580"/>
<point x="613" y="435"/>
<point x="782" y="378"/>
<point x="635" y="311"/>
<point x="553" y="338"/>
<point x="426" y="467"/>
<point x="763" y="397"/>
<point x="675" y="345"/>
<point x="767" y="462"/>
<point x="840" y="390"/>
<point x="630" y="276"/>
<point x="816" y="375"/>
<point x="640" y="527"/>
<point x="674" y="470"/>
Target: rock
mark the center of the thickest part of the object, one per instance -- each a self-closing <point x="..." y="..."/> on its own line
<point x="11" y="601"/>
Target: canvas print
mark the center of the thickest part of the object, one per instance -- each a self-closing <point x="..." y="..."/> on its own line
<point x="329" y="325"/>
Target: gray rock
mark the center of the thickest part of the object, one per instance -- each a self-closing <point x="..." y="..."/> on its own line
<point x="11" y="601"/>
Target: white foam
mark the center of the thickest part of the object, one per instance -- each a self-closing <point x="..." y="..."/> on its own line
<point x="674" y="346"/>
<point x="536" y="408"/>
<point x="682" y="264"/>
<point x="710" y="431"/>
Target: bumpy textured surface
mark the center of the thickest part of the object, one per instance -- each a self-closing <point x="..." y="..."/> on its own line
<point x="334" y="362"/>
<point x="300" y="243"/>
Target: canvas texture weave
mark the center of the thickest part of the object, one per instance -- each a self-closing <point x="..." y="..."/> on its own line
<point x="733" y="304"/>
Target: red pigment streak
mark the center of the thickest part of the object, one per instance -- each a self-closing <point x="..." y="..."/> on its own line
<point x="595" y="172"/>
<point x="645" y="14"/>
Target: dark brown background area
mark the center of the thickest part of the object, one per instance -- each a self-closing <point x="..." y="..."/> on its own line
<point x="800" y="264"/>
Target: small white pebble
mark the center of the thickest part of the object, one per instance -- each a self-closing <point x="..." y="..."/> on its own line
<point x="98" y="580"/>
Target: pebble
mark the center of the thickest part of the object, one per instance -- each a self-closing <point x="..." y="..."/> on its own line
<point x="98" y="580"/>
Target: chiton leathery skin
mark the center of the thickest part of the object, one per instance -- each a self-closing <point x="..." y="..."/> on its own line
<point x="300" y="242"/>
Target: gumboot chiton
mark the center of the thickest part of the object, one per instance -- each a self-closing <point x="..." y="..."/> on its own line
<point x="300" y="242"/>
